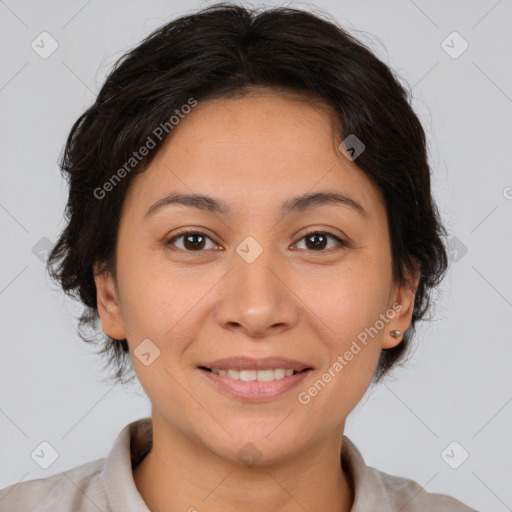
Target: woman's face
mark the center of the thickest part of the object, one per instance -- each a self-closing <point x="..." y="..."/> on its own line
<point x="267" y="278"/>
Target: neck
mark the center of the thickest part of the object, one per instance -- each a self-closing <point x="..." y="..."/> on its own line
<point x="178" y="474"/>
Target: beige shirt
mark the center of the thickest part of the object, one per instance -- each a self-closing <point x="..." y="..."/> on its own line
<point x="107" y="485"/>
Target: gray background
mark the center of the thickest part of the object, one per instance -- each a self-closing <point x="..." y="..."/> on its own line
<point x="457" y="385"/>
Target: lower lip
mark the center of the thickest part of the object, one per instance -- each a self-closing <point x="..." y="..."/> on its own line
<point x="254" y="390"/>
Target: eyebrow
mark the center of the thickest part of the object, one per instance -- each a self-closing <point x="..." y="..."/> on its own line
<point x="295" y="204"/>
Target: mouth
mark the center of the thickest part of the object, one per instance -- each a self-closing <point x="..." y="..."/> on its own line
<point x="254" y="380"/>
<point x="263" y="375"/>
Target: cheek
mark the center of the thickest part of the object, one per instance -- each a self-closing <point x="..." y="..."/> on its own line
<point x="156" y="296"/>
<point x="353" y="346"/>
<point x="348" y="307"/>
<point x="348" y="298"/>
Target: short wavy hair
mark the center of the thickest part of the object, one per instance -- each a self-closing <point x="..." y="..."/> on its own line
<point x="222" y="51"/>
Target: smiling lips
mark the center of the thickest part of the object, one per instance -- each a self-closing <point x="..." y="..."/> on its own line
<point x="247" y="363"/>
<point x="255" y="379"/>
<point x="252" y="375"/>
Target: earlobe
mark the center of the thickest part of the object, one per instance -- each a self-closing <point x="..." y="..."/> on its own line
<point x="109" y="309"/>
<point x="403" y="305"/>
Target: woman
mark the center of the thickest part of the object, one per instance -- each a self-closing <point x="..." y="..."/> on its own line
<point x="250" y="218"/>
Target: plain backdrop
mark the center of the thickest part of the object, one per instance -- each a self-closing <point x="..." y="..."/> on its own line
<point x="456" y="386"/>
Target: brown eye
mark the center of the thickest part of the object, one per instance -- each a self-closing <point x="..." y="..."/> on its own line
<point x="193" y="241"/>
<point x="197" y="241"/>
<point x="318" y="240"/>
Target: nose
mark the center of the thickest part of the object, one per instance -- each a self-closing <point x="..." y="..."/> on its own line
<point x="255" y="298"/>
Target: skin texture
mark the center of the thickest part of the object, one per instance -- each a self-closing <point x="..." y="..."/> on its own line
<point x="294" y="300"/>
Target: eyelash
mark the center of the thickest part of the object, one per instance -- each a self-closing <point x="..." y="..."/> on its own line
<point x="342" y="243"/>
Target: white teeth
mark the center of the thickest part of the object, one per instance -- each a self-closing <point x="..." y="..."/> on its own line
<point x="264" y="375"/>
<point x="247" y="375"/>
<point x="280" y="373"/>
<point x="252" y="375"/>
<point x="234" y="374"/>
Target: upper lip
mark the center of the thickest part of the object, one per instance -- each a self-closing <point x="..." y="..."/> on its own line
<point x="247" y="363"/>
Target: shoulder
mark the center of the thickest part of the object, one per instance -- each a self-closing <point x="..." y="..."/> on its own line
<point x="409" y="496"/>
<point x="79" y="489"/>
<point x="377" y="490"/>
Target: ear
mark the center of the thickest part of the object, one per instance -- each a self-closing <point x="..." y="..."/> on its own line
<point x="107" y="299"/>
<point x="402" y="303"/>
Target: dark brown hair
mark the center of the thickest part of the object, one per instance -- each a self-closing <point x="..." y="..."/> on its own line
<point x="221" y="51"/>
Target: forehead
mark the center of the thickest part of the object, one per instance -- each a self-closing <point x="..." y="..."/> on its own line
<point x="253" y="151"/>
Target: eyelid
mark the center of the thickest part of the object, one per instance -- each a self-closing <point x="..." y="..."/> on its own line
<point x="169" y="241"/>
<point x="342" y="241"/>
